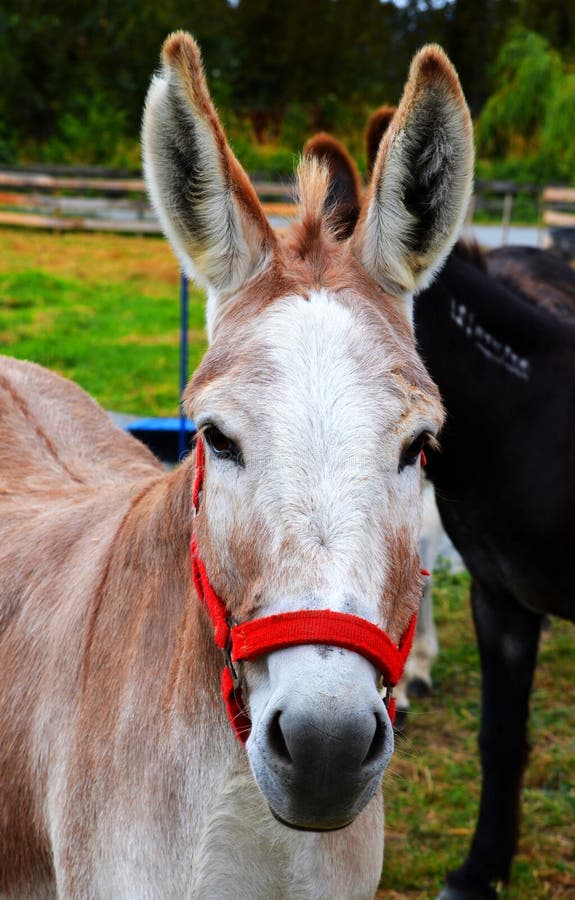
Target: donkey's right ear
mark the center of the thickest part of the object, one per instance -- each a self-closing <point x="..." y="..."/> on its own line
<point x="206" y="204"/>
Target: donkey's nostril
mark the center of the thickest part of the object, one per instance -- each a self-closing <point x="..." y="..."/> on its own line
<point x="277" y="740"/>
<point x="376" y="748"/>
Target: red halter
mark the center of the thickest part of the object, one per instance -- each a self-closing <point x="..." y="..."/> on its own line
<point x="248" y="640"/>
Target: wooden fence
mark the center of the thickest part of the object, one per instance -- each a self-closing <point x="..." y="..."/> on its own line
<point x="559" y="207"/>
<point x="77" y="201"/>
<point x="103" y="200"/>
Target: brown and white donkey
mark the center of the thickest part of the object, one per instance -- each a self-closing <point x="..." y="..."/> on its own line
<point x="120" y="776"/>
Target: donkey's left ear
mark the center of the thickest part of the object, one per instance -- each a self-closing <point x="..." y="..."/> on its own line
<point x="422" y="180"/>
<point x="206" y="204"/>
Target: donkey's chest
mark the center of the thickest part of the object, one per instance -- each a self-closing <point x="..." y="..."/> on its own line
<point x="244" y="852"/>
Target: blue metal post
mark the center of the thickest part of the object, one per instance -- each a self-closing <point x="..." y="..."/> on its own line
<point x="182" y="435"/>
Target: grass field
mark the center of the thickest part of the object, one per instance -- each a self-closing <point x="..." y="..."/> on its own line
<point x="104" y="311"/>
<point x="432" y="790"/>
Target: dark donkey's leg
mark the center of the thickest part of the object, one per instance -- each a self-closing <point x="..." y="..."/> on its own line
<point x="508" y="636"/>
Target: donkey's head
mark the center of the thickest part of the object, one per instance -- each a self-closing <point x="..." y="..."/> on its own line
<point x="312" y="405"/>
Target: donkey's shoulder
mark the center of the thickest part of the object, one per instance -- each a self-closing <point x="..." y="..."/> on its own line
<point x="53" y="432"/>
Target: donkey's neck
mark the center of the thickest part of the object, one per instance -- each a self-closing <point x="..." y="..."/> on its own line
<point x="147" y="596"/>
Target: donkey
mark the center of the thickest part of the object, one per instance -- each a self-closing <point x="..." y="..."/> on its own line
<point x="497" y="333"/>
<point x="120" y="775"/>
<point x="506" y="496"/>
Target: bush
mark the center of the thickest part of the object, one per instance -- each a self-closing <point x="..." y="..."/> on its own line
<point x="92" y="132"/>
<point x="7" y="146"/>
<point x="527" y="124"/>
<point x="557" y="139"/>
<point x="528" y="72"/>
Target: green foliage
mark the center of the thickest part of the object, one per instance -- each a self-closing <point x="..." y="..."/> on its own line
<point x="75" y="73"/>
<point x="51" y="54"/>
<point x="527" y="123"/>
<point x="92" y="133"/>
<point x="554" y="20"/>
<point x="558" y="131"/>
<point x="268" y="160"/>
<point x="7" y="144"/>
<point x="287" y="70"/>
<point x="295" y="127"/>
<point x="527" y="73"/>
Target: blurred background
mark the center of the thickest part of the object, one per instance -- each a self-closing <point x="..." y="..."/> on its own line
<point x="75" y="73"/>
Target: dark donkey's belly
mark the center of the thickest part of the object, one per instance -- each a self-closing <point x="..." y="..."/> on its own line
<point x="538" y="572"/>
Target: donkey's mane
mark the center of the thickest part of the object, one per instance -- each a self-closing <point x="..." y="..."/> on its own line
<point x="316" y="232"/>
<point x="312" y="188"/>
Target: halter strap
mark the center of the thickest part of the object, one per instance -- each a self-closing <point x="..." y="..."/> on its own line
<point x="249" y="640"/>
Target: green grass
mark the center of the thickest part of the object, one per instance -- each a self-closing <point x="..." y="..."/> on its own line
<point x="432" y="790"/>
<point x="104" y="310"/>
<point x="111" y="334"/>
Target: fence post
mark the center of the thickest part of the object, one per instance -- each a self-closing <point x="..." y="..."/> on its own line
<point x="506" y="218"/>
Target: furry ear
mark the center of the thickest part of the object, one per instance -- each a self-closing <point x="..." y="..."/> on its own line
<point x="208" y="208"/>
<point x="422" y="180"/>
<point x="342" y="202"/>
<point x="377" y="125"/>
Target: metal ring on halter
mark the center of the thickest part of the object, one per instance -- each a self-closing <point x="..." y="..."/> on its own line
<point x="234" y="668"/>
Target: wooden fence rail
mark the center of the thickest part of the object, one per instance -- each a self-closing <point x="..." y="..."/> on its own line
<point x="558" y="207"/>
<point x="99" y="203"/>
<point x="102" y="200"/>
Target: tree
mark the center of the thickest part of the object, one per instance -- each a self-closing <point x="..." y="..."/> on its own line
<point x="527" y="74"/>
<point x="554" y="20"/>
<point x="56" y="57"/>
<point x="475" y="32"/>
<point x="530" y="116"/>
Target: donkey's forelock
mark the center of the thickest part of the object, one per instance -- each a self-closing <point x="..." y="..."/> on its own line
<point x="313" y="184"/>
<point x="310" y="257"/>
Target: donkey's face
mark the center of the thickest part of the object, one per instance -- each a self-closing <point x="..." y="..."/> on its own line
<point x="313" y="407"/>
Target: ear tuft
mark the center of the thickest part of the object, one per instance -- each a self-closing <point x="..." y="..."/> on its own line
<point x="342" y="201"/>
<point x="181" y="53"/>
<point x="431" y="63"/>
<point x="181" y="48"/>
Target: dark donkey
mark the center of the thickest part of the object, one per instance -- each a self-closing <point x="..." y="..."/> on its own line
<point x="503" y="355"/>
<point x="497" y="333"/>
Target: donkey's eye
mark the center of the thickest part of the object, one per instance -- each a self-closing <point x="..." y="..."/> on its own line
<point x="221" y="445"/>
<point x="411" y="453"/>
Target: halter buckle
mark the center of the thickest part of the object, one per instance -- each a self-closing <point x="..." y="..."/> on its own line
<point x="388" y="694"/>
<point x="230" y="665"/>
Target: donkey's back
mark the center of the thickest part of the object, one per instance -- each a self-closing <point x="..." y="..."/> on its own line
<point x="67" y="477"/>
<point x="53" y="434"/>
